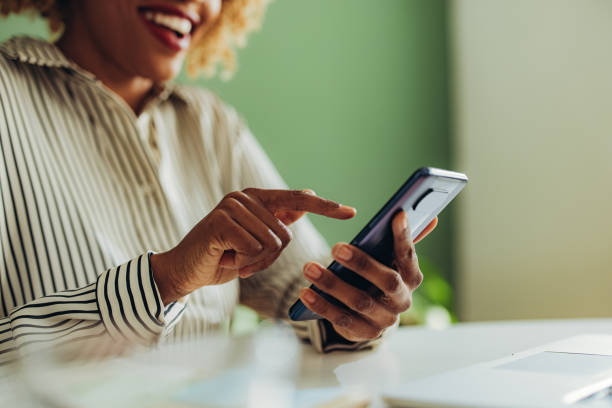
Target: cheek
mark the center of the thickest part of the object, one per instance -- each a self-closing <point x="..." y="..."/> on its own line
<point x="113" y="26"/>
<point x="109" y="21"/>
<point x="120" y="33"/>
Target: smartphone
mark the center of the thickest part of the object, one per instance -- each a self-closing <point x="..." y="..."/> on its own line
<point x="423" y="196"/>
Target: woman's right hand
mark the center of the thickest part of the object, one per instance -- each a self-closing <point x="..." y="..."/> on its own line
<point x="245" y="233"/>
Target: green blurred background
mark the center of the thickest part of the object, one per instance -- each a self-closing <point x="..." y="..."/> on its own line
<point x="347" y="97"/>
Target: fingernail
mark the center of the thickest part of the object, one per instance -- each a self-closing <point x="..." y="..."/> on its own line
<point x="312" y="272"/>
<point x="308" y="296"/>
<point x="405" y="222"/>
<point x="344" y="253"/>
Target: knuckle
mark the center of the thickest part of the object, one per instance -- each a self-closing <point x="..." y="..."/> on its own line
<point x="222" y="215"/>
<point x="240" y="196"/>
<point x="233" y="196"/>
<point x="320" y="307"/>
<point x="417" y="279"/>
<point x="396" y="307"/>
<point x="287" y="239"/>
<point x="406" y="256"/>
<point x="250" y="191"/>
<point x="255" y="248"/>
<point x="284" y="234"/>
<point x="284" y="244"/>
<point x="375" y="333"/>
<point x="316" y="305"/>
<point x="343" y="320"/>
<point x="364" y="304"/>
<point x="393" y="283"/>
<point x="297" y="200"/>
<point x="327" y="281"/>
<point x="385" y="301"/>
<point x="405" y="305"/>
<point x="389" y="321"/>
<point x="361" y="262"/>
<point x="370" y="331"/>
<point x="393" y="308"/>
<point x="232" y="203"/>
<point x="275" y="243"/>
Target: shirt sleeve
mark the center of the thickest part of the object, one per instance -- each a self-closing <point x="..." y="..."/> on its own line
<point x="271" y="292"/>
<point x="122" y="304"/>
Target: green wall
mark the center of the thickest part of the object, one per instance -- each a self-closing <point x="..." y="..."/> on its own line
<point x="348" y="97"/>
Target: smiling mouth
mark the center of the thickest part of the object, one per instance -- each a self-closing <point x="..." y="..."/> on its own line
<point x="180" y="26"/>
<point x="170" y="25"/>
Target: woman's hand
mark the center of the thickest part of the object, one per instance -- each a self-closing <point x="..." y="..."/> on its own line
<point x="244" y="234"/>
<point x="366" y="316"/>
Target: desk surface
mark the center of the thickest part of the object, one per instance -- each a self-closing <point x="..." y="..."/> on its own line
<point x="417" y="352"/>
<point x="407" y="354"/>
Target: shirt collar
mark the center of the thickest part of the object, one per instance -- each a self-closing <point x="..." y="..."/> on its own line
<point x="35" y="51"/>
<point x="39" y="52"/>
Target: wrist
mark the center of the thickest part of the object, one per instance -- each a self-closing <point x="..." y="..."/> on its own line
<point x="164" y="275"/>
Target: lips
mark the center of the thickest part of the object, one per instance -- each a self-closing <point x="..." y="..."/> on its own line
<point x="170" y="25"/>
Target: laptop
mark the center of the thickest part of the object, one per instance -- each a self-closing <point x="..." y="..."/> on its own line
<point x="571" y="372"/>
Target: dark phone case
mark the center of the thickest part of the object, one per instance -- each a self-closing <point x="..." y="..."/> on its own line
<point x="376" y="239"/>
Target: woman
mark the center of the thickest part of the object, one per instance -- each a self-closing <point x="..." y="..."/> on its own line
<point x="141" y="210"/>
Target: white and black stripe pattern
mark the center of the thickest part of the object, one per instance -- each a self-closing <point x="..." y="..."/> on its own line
<point x="86" y="186"/>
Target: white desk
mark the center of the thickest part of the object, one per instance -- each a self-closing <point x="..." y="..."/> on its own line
<point x="417" y="352"/>
<point x="407" y="354"/>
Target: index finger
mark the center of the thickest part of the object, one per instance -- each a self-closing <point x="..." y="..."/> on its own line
<point x="299" y="200"/>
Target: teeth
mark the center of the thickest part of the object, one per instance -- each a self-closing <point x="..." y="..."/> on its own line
<point x="172" y="22"/>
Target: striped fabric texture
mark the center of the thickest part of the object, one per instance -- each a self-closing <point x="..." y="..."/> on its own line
<point x="89" y="191"/>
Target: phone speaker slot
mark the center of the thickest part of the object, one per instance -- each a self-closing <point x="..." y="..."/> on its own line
<point x="425" y="194"/>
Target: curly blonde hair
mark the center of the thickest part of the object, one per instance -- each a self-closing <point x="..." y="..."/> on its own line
<point x="210" y="49"/>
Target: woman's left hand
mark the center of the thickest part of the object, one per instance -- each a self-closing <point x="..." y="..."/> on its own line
<point x="365" y="316"/>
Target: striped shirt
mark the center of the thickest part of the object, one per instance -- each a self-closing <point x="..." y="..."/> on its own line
<point x="89" y="190"/>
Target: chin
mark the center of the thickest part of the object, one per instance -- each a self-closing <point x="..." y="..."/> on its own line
<point x="161" y="70"/>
